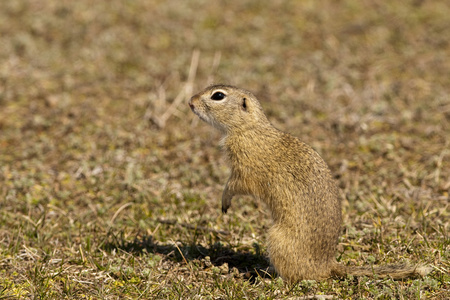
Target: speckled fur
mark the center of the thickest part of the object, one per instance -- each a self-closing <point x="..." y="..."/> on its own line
<point x="294" y="182"/>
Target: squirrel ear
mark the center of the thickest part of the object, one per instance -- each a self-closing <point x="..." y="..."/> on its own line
<point x="244" y="104"/>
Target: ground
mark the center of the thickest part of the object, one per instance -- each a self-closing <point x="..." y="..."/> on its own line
<point x="110" y="186"/>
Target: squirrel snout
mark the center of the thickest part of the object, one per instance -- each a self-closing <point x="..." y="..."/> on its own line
<point x="193" y="102"/>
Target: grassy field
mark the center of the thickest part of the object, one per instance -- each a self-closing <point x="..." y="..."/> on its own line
<point x="110" y="186"/>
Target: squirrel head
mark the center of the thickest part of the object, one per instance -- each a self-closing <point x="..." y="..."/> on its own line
<point x="228" y="108"/>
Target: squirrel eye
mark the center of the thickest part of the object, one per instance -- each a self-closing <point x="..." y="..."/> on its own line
<point x="218" y="96"/>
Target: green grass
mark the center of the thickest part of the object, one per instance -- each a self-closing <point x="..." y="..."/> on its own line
<point x="110" y="186"/>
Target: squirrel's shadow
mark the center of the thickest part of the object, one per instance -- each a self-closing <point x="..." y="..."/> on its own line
<point x="250" y="265"/>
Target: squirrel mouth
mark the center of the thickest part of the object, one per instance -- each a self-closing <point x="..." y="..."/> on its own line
<point x="199" y="114"/>
<point x="194" y="110"/>
<point x="192" y="106"/>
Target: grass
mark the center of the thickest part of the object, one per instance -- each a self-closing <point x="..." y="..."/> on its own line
<point x="110" y="186"/>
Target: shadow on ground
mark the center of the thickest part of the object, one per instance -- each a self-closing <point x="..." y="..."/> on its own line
<point x="247" y="263"/>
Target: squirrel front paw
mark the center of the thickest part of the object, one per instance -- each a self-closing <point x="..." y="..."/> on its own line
<point x="225" y="209"/>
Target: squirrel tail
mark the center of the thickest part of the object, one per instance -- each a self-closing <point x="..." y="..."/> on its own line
<point x="394" y="271"/>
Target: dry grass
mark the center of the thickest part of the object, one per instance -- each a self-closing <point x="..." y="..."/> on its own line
<point x="110" y="187"/>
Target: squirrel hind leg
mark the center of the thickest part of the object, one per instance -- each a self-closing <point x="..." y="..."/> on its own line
<point x="292" y="260"/>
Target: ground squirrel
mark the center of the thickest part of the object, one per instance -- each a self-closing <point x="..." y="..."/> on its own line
<point x="294" y="182"/>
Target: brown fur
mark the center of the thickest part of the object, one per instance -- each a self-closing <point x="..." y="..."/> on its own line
<point x="294" y="182"/>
